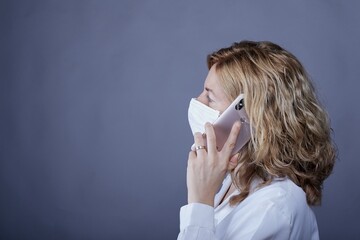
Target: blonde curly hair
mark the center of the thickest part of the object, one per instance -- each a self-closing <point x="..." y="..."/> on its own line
<point x="291" y="131"/>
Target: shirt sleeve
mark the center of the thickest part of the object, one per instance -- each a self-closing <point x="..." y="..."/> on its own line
<point x="197" y="222"/>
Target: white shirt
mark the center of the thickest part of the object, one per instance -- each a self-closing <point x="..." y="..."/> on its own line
<point x="277" y="211"/>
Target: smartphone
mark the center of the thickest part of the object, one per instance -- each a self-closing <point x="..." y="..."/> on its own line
<point x="222" y="126"/>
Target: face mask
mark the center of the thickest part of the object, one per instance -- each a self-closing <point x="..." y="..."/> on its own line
<point x="199" y="114"/>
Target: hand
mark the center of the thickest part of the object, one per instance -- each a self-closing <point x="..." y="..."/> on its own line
<point x="207" y="167"/>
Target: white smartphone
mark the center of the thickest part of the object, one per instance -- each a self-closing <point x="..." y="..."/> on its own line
<point x="222" y="126"/>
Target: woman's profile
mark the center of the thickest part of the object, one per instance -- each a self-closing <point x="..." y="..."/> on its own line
<point x="265" y="190"/>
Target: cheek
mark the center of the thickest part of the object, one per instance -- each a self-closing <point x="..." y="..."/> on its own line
<point x="223" y="106"/>
<point x="216" y="106"/>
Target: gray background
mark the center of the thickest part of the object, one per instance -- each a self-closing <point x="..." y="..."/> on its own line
<point x="93" y="107"/>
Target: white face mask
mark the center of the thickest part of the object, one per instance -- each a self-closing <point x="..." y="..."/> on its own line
<point x="199" y="114"/>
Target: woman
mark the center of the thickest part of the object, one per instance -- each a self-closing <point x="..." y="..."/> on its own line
<point x="267" y="187"/>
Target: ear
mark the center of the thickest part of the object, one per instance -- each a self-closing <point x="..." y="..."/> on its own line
<point x="233" y="162"/>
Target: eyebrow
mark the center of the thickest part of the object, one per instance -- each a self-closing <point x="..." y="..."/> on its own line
<point x="209" y="90"/>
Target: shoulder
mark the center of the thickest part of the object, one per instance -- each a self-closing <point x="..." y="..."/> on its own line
<point x="279" y="209"/>
<point x="284" y="198"/>
<point x="282" y="194"/>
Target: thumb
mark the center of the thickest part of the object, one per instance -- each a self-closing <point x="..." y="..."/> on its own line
<point x="233" y="162"/>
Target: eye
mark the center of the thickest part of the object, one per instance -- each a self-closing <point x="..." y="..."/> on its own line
<point x="209" y="99"/>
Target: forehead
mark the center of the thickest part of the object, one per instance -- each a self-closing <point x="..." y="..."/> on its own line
<point x="212" y="80"/>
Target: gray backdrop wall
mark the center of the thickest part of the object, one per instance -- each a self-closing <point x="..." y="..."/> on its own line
<point x="93" y="107"/>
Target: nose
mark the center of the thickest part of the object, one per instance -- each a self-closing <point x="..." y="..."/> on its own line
<point x="202" y="98"/>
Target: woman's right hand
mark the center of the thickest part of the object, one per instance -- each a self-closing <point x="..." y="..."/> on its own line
<point x="207" y="167"/>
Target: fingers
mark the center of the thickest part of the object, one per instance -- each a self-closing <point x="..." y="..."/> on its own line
<point x="199" y="142"/>
<point x="231" y="141"/>
<point x="210" y="138"/>
<point x="233" y="162"/>
<point x="192" y="155"/>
